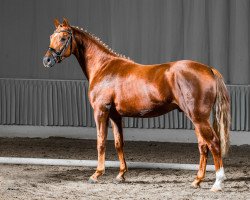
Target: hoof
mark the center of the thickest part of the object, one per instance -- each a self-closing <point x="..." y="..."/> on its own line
<point x="92" y="180"/>
<point x="119" y="179"/>
<point x="216" y="189"/>
<point x="195" y="184"/>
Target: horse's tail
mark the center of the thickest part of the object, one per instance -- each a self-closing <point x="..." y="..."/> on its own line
<point x="221" y="113"/>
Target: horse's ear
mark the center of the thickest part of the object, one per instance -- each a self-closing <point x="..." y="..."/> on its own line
<point x="56" y="23"/>
<point x="65" y="22"/>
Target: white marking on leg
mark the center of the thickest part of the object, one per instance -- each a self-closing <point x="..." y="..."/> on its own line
<point x="220" y="177"/>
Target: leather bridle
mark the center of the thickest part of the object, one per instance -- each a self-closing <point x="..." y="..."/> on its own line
<point x="58" y="55"/>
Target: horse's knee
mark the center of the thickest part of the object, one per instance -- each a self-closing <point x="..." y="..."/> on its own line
<point x="101" y="147"/>
<point x="118" y="145"/>
<point x="203" y="149"/>
<point x="214" y="146"/>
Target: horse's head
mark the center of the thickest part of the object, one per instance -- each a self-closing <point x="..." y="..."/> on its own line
<point x="60" y="44"/>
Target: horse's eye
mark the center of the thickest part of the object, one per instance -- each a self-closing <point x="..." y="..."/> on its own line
<point x="63" y="39"/>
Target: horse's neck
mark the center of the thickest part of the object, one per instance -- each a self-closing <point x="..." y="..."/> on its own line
<point x="91" y="55"/>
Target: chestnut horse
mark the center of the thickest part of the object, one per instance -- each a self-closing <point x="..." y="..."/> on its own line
<point x="119" y="87"/>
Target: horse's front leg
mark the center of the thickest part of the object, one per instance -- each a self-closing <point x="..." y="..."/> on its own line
<point x="119" y="143"/>
<point x="101" y="119"/>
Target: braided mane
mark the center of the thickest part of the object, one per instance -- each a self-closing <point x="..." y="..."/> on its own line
<point x="99" y="41"/>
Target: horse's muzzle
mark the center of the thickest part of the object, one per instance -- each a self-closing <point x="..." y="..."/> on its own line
<point x="48" y="61"/>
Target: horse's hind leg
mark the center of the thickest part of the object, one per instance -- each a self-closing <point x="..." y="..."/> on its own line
<point x="213" y="142"/>
<point x="203" y="149"/>
<point x="118" y="136"/>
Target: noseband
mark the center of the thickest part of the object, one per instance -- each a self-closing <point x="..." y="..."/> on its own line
<point x="57" y="55"/>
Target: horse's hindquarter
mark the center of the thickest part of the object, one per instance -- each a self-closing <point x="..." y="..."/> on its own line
<point x="194" y="88"/>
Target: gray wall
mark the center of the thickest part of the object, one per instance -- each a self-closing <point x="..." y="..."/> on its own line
<point x="214" y="32"/>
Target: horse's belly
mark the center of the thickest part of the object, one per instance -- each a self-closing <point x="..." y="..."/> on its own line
<point x="153" y="110"/>
<point x="141" y="98"/>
